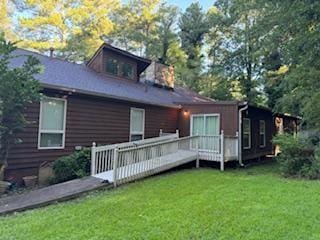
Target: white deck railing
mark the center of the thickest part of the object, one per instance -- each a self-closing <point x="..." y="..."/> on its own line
<point x="139" y="161"/>
<point x="102" y="156"/>
<point x="131" y="160"/>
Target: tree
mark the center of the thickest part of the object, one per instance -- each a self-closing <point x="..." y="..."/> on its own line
<point x="74" y="28"/>
<point x="18" y="88"/>
<point x="166" y="36"/>
<point x="193" y="27"/>
<point x="5" y="19"/>
<point x="292" y="28"/>
<point x="136" y="26"/>
<point x="234" y="41"/>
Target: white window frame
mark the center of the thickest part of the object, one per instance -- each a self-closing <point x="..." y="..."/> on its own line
<point x="143" y="122"/>
<point x="243" y="133"/>
<point x="264" y="133"/>
<point x="63" y="132"/>
<point x="204" y="115"/>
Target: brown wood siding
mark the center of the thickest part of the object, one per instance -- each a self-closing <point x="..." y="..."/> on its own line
<point x="255" y="115"/>
<point x="228" y="117"/>
<point x="96" y="63"/>
<point x="88" y="120"/>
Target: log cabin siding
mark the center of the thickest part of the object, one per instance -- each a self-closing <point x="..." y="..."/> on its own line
<point x="89" y="119"/>
<point x="228" y="116"/>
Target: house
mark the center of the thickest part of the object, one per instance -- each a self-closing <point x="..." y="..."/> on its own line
<point x="113" y="99"/>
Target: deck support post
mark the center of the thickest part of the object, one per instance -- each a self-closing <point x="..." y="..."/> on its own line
<point x="222" y="151"/>
<point x="115" y="166"/>
<point x="93" y="159"/>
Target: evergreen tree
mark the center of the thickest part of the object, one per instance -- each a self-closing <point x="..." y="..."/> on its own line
<point x="193" y="26"/>
<point x="18" y="88"/>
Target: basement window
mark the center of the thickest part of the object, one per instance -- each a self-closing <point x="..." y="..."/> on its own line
<point x="52" y="123"/>
<point x="137" y="118"/>
<point x="262" y="133"/>
<point x="246" y="133"/>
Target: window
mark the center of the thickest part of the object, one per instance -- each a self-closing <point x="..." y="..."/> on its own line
<point x="127" y="70"/>
<point x="136" y="124"/>
<point x="52" y="123"/>
<point x="112" y="66"/>
<point x="246" y="133"/>
<point x="262" y="133"/>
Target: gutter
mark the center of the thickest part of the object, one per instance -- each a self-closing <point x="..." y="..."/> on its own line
<point x="240" y="133"/>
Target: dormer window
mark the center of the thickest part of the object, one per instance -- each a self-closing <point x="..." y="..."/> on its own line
<point x="112" y="66"/>
<point x="119" y="63"/>
<point x="127" y="70"/>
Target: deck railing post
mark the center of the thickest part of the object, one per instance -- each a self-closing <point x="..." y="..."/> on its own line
<point x="160" y="132"/>
<point x="93" y="159"/>
<point x="177" y="132"/>
<point x="198" y="154"/>
<point x="115" y="166"/>
<point x="222" y="151"/>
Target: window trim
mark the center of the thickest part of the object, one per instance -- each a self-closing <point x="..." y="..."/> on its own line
<point x="264" y="134"/>
<point x="143" y="122"/>
<point x="243" y="133"/>
<point x="63" y="132"/>
<point x="204" y="115"/>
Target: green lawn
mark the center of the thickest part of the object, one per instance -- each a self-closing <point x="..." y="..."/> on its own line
<point x="253" y="203"/>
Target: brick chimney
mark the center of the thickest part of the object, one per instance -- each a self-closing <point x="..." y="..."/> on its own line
<point x="160" y="74"/>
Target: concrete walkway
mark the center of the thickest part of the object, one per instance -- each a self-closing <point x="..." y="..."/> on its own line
<point x="47" y="195"/>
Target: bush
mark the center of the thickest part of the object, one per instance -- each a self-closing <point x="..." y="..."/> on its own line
<point x="70" y="167"/>
<point x="298" y="156"/>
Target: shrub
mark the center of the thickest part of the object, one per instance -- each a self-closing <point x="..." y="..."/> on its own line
<point x="298" y="157"/>
<point x="70" y="167"/>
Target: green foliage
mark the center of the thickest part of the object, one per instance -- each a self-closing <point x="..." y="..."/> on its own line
<point x="193" y="26"/>
<point x="74" y="28"/>
<point x="298" y="157"/>
<point x="76" y="165"/>
<point x="234" y="45"/>
<point x="18" y="89"/>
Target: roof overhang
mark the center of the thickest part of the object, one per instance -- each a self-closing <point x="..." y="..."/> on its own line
<point x="91" y="93"/>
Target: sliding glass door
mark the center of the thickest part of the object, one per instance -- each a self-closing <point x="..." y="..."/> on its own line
<point x="207" y="126"/>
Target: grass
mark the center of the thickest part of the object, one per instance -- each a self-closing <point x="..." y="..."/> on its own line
<point x="253" y="203"/>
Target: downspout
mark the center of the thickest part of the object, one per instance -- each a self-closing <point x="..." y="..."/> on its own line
<point x="240" y="133"/>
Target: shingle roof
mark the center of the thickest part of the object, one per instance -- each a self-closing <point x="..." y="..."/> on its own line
<point x="60" y="74"/>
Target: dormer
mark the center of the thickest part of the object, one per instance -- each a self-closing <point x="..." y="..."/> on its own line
<point x="118" y="63"/>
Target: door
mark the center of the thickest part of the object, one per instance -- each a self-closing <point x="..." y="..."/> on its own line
<point x="207" y="126"/>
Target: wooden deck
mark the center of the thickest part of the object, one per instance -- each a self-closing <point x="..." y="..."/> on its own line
<point x="125" y="162"/>
<point x="152" y="166"/>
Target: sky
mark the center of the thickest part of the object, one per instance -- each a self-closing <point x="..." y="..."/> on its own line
<point x="183" y="4"/>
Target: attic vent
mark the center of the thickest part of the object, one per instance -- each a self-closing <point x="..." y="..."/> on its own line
<point x="160" y="74"/>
